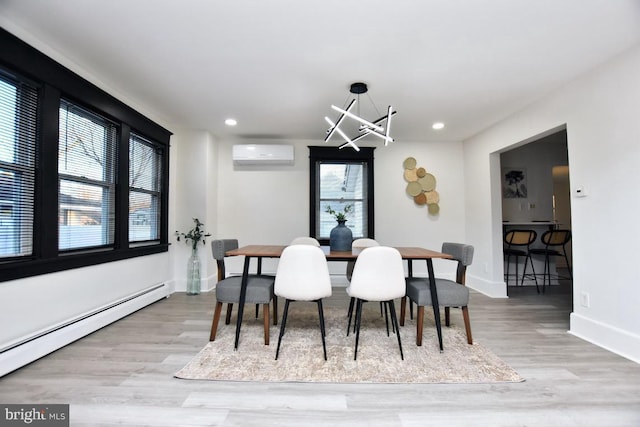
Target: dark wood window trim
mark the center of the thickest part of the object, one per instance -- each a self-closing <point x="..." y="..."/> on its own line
<point x="334" y="154"/>
<point x="56" y="82"/>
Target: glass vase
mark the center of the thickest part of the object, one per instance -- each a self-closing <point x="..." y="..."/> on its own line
<point x="193" y="273"/>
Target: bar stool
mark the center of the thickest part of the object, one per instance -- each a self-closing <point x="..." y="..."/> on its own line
<point x="555" y="242"/>
<point x="517" y="244"/>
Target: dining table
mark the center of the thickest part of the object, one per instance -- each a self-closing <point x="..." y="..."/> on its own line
<point x="410" y="254"/>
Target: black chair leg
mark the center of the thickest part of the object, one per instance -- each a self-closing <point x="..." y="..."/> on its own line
<point x="535" y="276"/>
<point x="547" y="273"/>
<point x="282" y="325"/>
<point x="394" y="319"/>
<point x="350" y="313"/>
<point x="566" y="258"/>
<point x="358" y="316"/>
<point x="322" y="331"/>
<point x="386" y="317"/>
<point x="393" y="327"/>
<point x="524" y="273"/>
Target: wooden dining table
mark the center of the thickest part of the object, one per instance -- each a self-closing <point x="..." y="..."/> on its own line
<point x="274" y="251"/>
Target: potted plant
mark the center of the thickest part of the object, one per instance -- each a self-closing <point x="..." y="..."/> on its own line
<point x="341" y="237"/>
<point x="340" y="215"/>
<point x="193" y="236"/>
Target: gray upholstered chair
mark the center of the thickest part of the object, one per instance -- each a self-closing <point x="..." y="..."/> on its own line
<point x="259" y="290"/>
<point x="450" y="293"/>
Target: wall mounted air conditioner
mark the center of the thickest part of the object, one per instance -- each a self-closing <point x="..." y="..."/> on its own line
<point x="262" y="154"/>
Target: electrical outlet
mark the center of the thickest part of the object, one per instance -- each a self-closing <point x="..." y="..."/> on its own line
<point x="584" y="299"/>
<point x="581" y="192"/>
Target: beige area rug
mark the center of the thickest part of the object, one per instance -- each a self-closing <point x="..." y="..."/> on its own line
<point x="301" y="358"/>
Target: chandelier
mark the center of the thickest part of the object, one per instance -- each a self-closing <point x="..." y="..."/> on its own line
<point x="380" y="127"/>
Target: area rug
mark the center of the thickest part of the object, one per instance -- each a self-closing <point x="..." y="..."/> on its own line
<point x="301" y="357"/>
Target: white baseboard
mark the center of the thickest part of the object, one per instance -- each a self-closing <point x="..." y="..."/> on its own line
<point x="489" y="288"/>
<point x="606" y="336"/>
<point x="207" y="284"/>
<point x="339" y="281"/>
<point x="44" y="343"/>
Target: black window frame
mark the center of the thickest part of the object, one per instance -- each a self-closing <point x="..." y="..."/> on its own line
<point x="57" y="82"/>
<point x="156" y="193"/>
<point x="106" y="182"/>
<point x="335" y="155"/>
<point x="24" y="165"/>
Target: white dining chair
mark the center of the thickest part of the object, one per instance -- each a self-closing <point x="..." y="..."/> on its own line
<point x="303" y="240"/>
<point x="377" y="276"/>
<point x="302" y="275"/>
<point x="358" y="244"/>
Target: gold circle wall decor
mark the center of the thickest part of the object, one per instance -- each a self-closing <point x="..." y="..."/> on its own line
<point x="421" y="186"/>
<point x="414" y="188"/>
<point x="409" y="163"/>
<point x="410" y="175"/>
<point x="431" y="197"/>
<point x="427" y="182"/>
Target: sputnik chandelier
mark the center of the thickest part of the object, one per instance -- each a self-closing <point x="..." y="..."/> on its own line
<point x="366" y="127"/>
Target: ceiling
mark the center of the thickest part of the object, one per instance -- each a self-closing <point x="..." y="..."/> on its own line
<point x="277" y="66"/>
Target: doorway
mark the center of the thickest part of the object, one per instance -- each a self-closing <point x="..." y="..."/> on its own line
<point x="562" y="204"/>
<point x="542" y="201"/>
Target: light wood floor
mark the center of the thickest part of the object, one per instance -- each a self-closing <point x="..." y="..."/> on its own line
<point x="122" y="375"/>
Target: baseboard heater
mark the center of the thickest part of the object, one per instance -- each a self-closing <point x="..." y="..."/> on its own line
<point x="26" y="350"/>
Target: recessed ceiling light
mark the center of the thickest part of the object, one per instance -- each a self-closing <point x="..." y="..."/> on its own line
<point x="438" y="125"/>
<point x="230" y="122"/>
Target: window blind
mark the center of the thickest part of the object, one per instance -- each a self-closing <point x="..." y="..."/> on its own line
<point x="145" y="189"/>
<point x="86" y="171"/>
<point x="340" y="185"/>
<point x="18" y="136"/>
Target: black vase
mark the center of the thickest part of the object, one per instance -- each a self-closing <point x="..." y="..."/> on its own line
<point x="341" y="237"/>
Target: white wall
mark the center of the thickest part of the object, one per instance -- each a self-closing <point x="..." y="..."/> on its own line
<point x="270" y="204"/>
<point x="31" y="305"/>
<point x="193" y="194"/>
<point x="538" y="159"/>
<point x="600" y="111"/>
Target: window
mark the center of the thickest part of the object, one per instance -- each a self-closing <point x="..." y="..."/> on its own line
<point x="145" y="186"/>
<point x="339" y="178"/>
<point x="18" y="123"/>
<point x="86" y="168"/>
<point x="78" y="186"/>
<point x="341" y="185"/>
